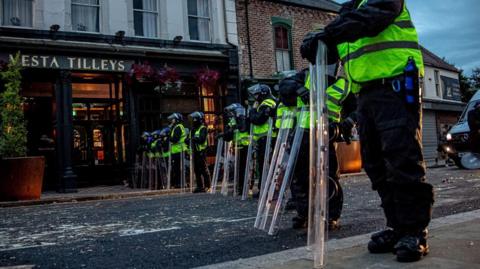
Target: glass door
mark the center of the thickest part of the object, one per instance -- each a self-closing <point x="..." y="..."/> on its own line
<point x="99" y="142"/>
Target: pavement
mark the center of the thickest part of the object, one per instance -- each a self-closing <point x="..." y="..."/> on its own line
<point x="90" y="194"/>
<point x="454" y="243"/>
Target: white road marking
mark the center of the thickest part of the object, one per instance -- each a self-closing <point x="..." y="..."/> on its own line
<point x="130" y="232"/>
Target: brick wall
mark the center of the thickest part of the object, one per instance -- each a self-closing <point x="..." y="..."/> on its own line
<point x="260" y="15"/>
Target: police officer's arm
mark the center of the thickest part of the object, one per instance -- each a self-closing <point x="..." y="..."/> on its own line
<point x="228" y="133"/>
<point x="367" y="21"/>
<point x="349" y="107"/>
<point x="201" y="137"/>
<point x="261" y="116"/>
<point x="243" y="125"/>
<point x="176" y="135"/>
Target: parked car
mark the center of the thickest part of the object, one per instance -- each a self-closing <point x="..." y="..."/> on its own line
<point x="457" y="138"/>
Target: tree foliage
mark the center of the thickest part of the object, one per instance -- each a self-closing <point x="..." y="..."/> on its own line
<point x="465" y="87"/>
<point x="475" y="78"/>
<point x="13" y="131"/>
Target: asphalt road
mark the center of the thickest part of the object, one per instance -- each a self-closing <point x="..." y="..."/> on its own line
<point x="184" y="231"/>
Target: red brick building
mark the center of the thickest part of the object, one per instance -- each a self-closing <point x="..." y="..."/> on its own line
<point x="271" y="31"/>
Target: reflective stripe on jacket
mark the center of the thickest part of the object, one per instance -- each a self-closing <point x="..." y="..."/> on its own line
<point x="382" y="56"/>
<point x="180" y="145"/>
<point x="262" y="130"/>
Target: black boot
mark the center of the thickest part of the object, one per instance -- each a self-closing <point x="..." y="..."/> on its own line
<point x="383" y="242"/>
<point x="411" y="248"/>
<point x="198" y="190"/>
<point x="333" y="225"/>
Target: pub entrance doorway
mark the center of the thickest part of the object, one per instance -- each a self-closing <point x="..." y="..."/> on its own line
<point x="99" y="124"/>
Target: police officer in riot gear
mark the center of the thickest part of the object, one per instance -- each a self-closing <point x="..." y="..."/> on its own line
<point x="263" y="109"/>
<point x="378" y="45"/>
<point x="199" y="142"/>
<point x="178" y="145"/>
<point x="237" y="129"/>
<point x="165" y="139"/>
<point x="340" y="102"/>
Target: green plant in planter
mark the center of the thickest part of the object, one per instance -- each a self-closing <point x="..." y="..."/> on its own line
<point x="13" y="131"/>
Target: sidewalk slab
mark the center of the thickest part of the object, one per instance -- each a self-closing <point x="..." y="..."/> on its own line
<point x="454" y="243"/>
<point x="90" y="194"/>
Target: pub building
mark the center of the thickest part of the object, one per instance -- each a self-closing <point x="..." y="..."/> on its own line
<point x="86" y="108"/>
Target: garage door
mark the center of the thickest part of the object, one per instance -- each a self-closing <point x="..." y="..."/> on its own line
<point x="429" y="136"/>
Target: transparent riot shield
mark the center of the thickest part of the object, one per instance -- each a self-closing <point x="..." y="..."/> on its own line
<point x="249" y="166"/>
<point x="218" y="161"/>
<point x="138" y="170"/>
<point x="192" y="168"/>
<point x="317" y="213"/>
<point x="143" y="174"/>
<point x="471" y="161"/>
<point x="266" y="160"/>
<point x="287" y="178"/>
<point x="183" y="182"/>
<point x="226" y="169"/>
<point x="163" y="170"/>
<point x="150" y="173"/>
<point x="156" y="166"/>
<point x="275" y="162"/>
<point x="169" y="167"/>
<point x="236" y="164"/>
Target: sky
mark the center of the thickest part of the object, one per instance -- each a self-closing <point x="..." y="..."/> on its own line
<point x="450" y="29"/>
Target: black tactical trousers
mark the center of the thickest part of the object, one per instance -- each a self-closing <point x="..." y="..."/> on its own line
<point x="390" y="136"/>
<point x="242" y="152"/>
<point x="202" y="175"/>
<point x="300" y="184"/>
<point x="176" y="170"/>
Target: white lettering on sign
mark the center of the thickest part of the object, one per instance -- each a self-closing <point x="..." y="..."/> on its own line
<point x="71" y="63"/>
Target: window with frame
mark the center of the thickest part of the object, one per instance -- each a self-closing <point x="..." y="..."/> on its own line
<point x="199" y="20"/>
<point x="438" y="91"/>
<point x="86" y="15"/>
<point x="145" y="17"/>
<point x="17" y="13"/>
<point x="283" y="51"/>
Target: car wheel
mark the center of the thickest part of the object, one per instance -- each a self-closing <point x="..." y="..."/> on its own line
<point x="458" y="162"/>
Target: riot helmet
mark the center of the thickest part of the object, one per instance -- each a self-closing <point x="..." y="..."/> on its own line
<point x="197" y="118"/>
<point x="288" y="91"/>
<point x="175" y="118"/>
<point x="165" y="132"/>
<point x="146" y="137"/>
<point x="156" y="134"/>
<point x="259" y="91"/>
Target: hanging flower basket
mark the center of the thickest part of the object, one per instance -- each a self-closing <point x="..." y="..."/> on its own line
<point x="143" y="72"/>
<point x="207" y="78"/>
<point x="167" y="77"/>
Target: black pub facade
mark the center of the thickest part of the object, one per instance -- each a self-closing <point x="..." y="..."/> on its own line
<point x="88" y="97"/>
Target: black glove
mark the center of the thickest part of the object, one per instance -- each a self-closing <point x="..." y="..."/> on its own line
<point x="346" y="127"/>
<point x="309" y="46"/>
<point x="270" y="112"/>
<point x="304" y="94"/>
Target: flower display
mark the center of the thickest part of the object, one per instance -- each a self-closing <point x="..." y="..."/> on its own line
<point x="207" y="78"/>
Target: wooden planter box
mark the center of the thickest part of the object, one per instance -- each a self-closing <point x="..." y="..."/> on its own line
<point x="21" y="178"/>
<point x="349" y="158"/>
